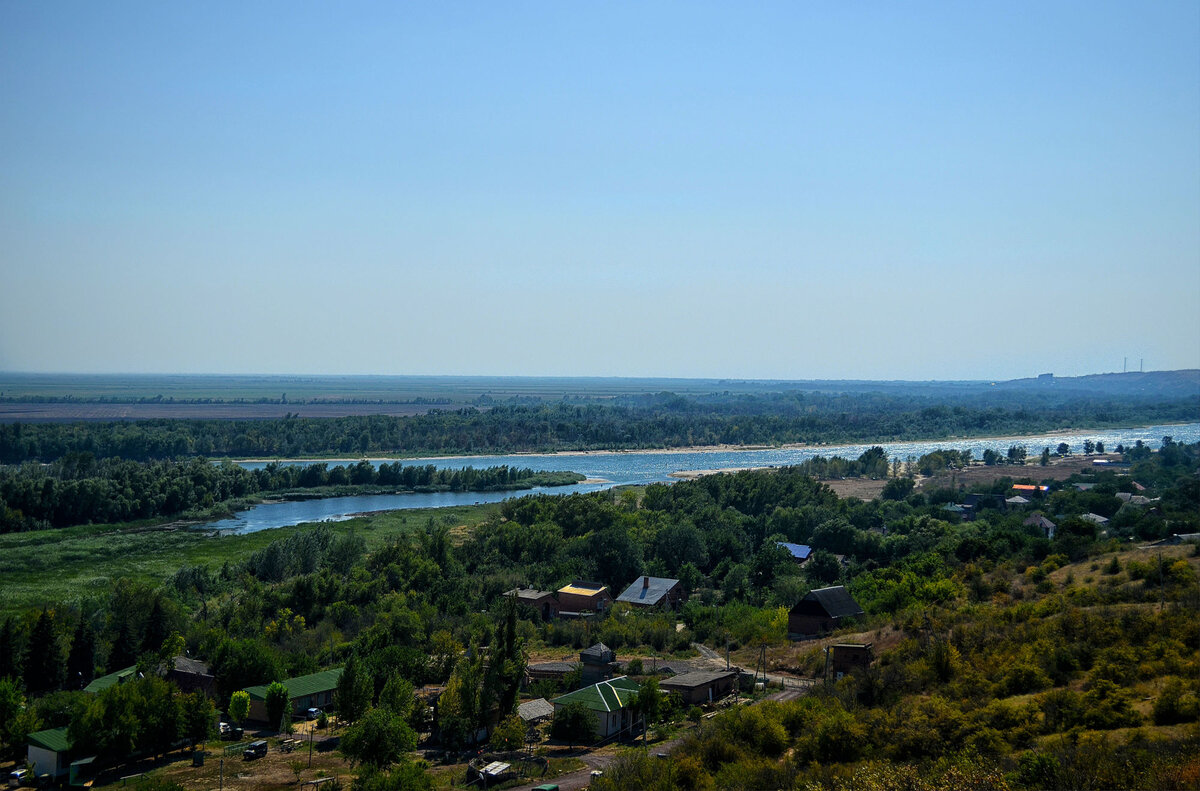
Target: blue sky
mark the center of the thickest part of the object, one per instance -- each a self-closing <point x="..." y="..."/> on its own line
<point x="774" y="190"/>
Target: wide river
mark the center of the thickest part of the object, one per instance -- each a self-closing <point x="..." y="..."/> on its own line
<point x="642" y="467"/>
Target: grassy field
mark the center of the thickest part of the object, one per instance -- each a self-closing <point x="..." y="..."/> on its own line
<point x="72" y="564"/>
<point x="301" y="389"/>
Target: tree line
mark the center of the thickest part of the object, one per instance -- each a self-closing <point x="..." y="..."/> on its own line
<point x="79" y="489"/>
<point x="664" y="421"/>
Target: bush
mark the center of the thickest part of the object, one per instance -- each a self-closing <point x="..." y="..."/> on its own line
<point x="1177" y="703"/>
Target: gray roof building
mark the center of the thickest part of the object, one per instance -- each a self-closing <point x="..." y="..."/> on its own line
<point x="652" y="591"/>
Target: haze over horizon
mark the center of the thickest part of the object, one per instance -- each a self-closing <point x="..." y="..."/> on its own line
<point x="926" y="192"/>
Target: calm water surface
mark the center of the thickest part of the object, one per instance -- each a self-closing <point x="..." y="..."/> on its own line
<point x="647" y="467"/>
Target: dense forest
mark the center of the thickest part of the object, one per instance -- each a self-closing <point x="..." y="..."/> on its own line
<point x="665" y="420"/>
<point x="1019" y="660"/>
<point x="77" y="489"/>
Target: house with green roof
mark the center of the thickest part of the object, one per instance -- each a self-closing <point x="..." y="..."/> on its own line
<point x="608" y="701"/>
<point x="312" y="691"/>
<point x="112" y="679"/>
<point x="49" y="752"/>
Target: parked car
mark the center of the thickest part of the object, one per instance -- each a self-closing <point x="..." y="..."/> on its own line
<point x="255" y="750"/>
<point x="313" y="713"/>
<point x="232" y="734"/>
<point x="19" y="777"/>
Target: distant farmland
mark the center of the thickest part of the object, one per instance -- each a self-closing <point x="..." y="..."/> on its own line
<point x="75" y="411"/>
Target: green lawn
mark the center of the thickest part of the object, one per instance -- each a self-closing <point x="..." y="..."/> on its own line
<point x="70" y="564"/>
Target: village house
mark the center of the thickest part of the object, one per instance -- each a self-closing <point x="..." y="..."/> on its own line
<point x="580" y="596"/>
<point x="653" y="592"/>
<point x="800" y="552"/>
<point x="312" y="691"/>
<point x="822" y="610"/>
<point x="541" y="602"/>
<point x="704" y="686"/>
<point x="608" y="701"/>
<point x="1039" y="520"/>
<point x="849" y="657"/>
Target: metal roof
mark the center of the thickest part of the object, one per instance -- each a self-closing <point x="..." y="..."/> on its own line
<point x="835" y="600"/>
<point x="300" y="686"/>
<point x="535" y="710"/>
<point x="612" y="695"/>
<point x="799" y="551"/>
<point x="56" y="740"/>
<point x="112" y="679"/>
<point x="648" y="590"/>
<point x="582" y="588"/>
<point x="698" y="678"/>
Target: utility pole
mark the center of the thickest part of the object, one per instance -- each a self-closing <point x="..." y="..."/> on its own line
<point x="311" y="729"/>
<point x="221" y="782"/>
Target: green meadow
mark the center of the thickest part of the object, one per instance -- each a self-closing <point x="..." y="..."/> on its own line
<point x="68" y="565"/>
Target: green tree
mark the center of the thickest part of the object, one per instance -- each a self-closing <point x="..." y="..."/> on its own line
<point x="196" y="714"/>
<point x="509" y="734"/>
<point x="354" y="690"/>
<point x="1045" y="460"/>
<point x="11" y="704"/>
<point x="239" y="706"/>
<point x="277" y="702"/>
<point x="649" y="701"/>
<point x="378" y="739"/>
<point x="574" y="724"/>
<point x="44" y="664"/>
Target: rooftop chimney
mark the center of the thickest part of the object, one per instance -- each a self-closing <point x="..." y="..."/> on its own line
<point x="645" y="582"/>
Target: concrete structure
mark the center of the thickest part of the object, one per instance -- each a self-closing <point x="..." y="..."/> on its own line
<point x="541" y="602"/>
<point x="653" y="592"/>
<point x="822" y="610"/>
<point x="848" y="657"/>
<point x="704" y="686"/>
<point x="49" y="752"/>
<point x="312" y="691"/>
<point x="608" y="701"/>
<point x="581" y="597"/>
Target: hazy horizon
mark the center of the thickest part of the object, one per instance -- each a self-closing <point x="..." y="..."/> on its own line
<point x="783" y="191"/>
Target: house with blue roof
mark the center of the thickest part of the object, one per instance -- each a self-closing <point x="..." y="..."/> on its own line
<point x="800" y="552"/>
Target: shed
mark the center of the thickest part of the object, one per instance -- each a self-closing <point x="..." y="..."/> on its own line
<point x="609" y="702"/>
<point x="848" y="657"/>
<point x="305" y="692"/>
<point x="549" y="671"/>
<point x="599" y="662"/>
<point x="535" y="711"/>
<point x="49" y="752"/>
<point x="652" y="592"/>
<point x="1095" y="519"/>
<point x="705" y="686"/>
<point x="822" y="610"/>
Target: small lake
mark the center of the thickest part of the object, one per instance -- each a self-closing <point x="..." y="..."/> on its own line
<point x="642" y="467"/>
